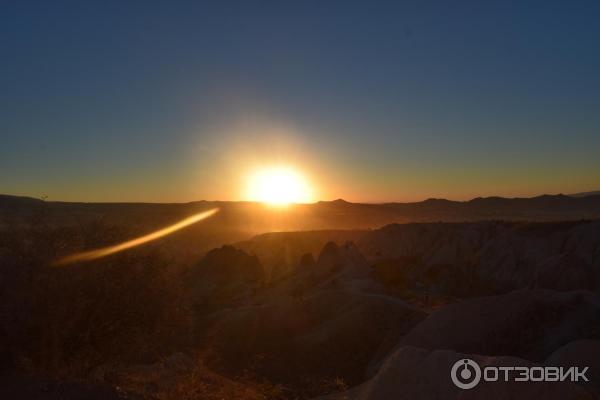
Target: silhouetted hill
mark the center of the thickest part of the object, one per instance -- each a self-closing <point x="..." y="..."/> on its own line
<point x="337" y="214"/>
<point x="585" y="194"/>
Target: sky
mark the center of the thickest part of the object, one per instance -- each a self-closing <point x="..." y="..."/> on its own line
<point x="371" y="101"/>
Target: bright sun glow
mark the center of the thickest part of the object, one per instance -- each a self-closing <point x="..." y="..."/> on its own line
<point x="278" y="186"/>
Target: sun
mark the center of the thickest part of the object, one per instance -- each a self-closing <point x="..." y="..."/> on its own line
<point x="278" y="186"/>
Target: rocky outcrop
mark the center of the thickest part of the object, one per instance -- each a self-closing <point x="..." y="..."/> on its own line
<point x="307" y="260"/>
<point x="459" y="259"/>
<point x="322" y="321"/>
<point x="414" y="373"/>
<point x="530" y="324"/>
<point x="342" y="261"/>
<point x="582" y="353"/>
<point x="227" y="263"/>
<point x="225" y="277"/>
<point x="491" y="257"/>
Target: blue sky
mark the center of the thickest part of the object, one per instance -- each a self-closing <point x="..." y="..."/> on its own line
<point x="374" y="101"/>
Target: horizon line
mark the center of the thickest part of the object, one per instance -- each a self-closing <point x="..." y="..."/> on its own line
<point x="45" y="199"/>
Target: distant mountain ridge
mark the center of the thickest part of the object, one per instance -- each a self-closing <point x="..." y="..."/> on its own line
<point x="338" y="214"/>
<point x="585" y="194"/>
<point x="15" y="199"/>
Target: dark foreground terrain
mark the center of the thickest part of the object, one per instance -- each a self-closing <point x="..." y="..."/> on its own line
<point x="336" y="314"/>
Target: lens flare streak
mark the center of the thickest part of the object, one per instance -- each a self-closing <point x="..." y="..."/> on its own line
<point x="105" y="251"/>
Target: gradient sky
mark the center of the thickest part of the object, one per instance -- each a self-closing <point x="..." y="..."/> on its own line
<point x="374" y="101"/>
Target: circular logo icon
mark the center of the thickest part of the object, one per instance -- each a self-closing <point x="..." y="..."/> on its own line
<point x="465" y="373"/>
